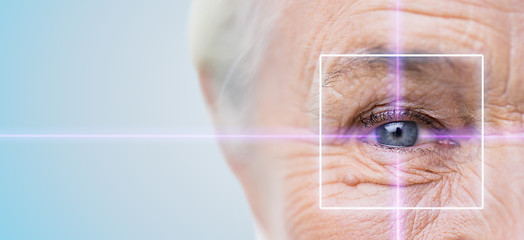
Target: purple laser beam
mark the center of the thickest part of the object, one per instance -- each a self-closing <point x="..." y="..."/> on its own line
<point x="397" y="38"/>
<point x="250" y="136"/>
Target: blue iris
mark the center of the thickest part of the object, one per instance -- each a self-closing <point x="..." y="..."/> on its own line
<point x="397" y="134"/>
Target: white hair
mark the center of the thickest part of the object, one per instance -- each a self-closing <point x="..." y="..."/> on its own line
<point x="228" y="39"/>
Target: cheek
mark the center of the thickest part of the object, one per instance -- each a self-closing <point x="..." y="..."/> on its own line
<point x="291" y="171"/>
<point x="504" y="187"/>
<point x="303" y="219"/>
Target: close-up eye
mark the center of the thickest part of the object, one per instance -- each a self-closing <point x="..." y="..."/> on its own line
<point x="403" y="130"/>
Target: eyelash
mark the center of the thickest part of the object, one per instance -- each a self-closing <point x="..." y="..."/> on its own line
<point x="400" y="115"/>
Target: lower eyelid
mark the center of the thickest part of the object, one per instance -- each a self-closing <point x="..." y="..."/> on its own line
<point x="379" y="147"/>
<point x="427" y="146"/>
<point x="426" y="152"/>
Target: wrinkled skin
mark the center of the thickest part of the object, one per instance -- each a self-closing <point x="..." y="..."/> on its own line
<point x="281" y="176"/>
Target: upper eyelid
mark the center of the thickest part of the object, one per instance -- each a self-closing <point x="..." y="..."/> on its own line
<point x="401" y="115"/>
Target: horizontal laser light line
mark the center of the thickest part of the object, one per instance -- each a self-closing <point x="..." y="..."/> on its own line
<point x="181" y="136"/>
<point x="241" y="136"/>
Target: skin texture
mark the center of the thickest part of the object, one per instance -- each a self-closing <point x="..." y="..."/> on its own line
<point x="281" y="176"/>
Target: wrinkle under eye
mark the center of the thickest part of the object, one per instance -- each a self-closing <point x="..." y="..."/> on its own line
<point x="397" y="134"/>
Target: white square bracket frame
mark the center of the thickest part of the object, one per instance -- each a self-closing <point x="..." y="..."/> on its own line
<point x="320" y="81"/>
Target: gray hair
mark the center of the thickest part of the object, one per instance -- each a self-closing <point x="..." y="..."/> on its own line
<point x="228" y="39"/>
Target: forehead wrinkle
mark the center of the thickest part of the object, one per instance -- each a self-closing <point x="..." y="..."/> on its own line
<point x="356" y="68"/>
<point x="340" y="66"/>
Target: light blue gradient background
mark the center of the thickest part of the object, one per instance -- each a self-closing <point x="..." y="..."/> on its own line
<point x="108" y="67"/>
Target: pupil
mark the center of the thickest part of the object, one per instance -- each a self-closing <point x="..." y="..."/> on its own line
<point x="397" y="134"/>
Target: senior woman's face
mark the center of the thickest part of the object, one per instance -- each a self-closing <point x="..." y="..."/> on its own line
<point x="418" y="121"/>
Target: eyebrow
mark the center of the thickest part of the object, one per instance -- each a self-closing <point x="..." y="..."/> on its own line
<point x="408" y="64"/>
